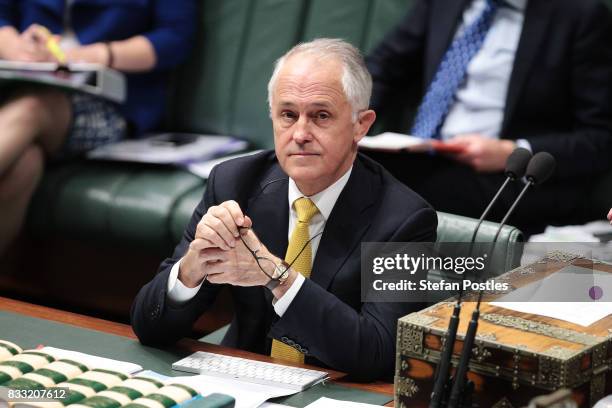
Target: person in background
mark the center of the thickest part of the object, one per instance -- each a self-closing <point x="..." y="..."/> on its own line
<point x="488" y="76"/>
<point x="312" y="201"/>
<point x="144" y="39"/>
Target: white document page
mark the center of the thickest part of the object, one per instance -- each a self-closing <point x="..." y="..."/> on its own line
<point x="574" y="294"/>
<point x="154" y="150"/>
<point x="203" y="168"/>
<point x="247" y="395"/>
<point x="93" y="361"/>
<point x="325" y="402"/>
<point x="393" y="141"/>
<point x="581" y="313"/>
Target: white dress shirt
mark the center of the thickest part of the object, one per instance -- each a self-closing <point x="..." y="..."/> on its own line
<point x="481" y="99"/>
<point x="325" y="202"/>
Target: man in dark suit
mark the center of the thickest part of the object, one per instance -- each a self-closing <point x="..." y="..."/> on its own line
<point x="539" y="77"/>
<point x="312" y="201"/>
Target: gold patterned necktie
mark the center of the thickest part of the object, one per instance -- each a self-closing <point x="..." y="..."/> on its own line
<point x="302" y="263"/>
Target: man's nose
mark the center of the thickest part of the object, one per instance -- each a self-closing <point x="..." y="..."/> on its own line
<point x="301" y="131"/>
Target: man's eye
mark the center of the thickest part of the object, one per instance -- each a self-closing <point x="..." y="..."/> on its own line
<point x="323" y="115"/>
<point x="288" y="115"/>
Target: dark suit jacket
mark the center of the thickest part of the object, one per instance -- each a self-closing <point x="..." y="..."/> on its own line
<point x="326" y="318"/>
<point x="560" y="93"/>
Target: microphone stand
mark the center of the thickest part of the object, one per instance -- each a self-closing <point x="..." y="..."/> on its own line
<point x="442" y="380"/>
<point x="462" y="390"/>
<point x="511" y="209"/>
<point x="488" y="209"/>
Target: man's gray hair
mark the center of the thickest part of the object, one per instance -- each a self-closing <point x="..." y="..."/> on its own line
<point x="356" y="80"/>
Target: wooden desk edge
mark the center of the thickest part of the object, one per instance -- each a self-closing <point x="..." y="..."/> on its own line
<point x="120" y="329"/>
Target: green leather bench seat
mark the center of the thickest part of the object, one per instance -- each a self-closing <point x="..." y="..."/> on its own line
<point x="129" y="205"/>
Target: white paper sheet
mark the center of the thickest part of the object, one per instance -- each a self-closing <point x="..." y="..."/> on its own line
<point x="203" y="168"/>
<point x="325" y="402"/>
<point x="93" y="361"/>
<point x="155" y="149"/>
<point x="247" y="395"/>
<point x="390" y="141"/>
<point x="581" y="313"/>
<point x="565" y="295"/>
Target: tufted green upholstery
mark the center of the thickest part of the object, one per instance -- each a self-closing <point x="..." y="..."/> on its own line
<point x="121" y="203"/>
<point x="456" y="228"/>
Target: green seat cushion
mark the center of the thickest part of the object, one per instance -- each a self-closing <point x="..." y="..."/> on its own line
<point x="111" y="202"/>
<point x="508" y="248"/>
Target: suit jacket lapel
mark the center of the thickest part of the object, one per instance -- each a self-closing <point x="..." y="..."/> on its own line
<point x="445" y="18"/>
<point x="269" y="210"/>
<point x="347" y="224"/>
<point x="537" y="18"/>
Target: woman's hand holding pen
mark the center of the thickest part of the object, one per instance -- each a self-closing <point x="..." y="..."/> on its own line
<point x="25" y="47"/>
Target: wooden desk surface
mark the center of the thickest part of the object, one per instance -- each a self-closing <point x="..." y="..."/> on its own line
<point x="192" y="345"/>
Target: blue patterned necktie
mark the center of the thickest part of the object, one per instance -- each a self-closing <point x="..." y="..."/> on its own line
<point x="450" y="75"/>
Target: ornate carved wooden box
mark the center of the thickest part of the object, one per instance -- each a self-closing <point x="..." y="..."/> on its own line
<point x="516" y="356"/>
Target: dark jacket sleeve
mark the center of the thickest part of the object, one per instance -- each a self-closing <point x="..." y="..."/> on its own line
<point x="587" y="148"/>
<point x="8" y="12"/>
<point x="174" y="26"/>
<point x="397" y="65"/>
<point x="359" y="342"/>
<point x="154" y="319"/>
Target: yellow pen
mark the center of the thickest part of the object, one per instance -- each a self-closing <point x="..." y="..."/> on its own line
<point x="53" y="46"/>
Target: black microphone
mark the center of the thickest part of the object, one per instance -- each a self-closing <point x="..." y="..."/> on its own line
<point x="517" y="163"/>
<point x="515" y="169"/>
<point x="540" y="168"/>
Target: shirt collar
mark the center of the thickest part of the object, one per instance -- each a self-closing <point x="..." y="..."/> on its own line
<point x="324" y="200"/>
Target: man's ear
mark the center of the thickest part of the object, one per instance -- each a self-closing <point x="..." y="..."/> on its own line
<point x="365" y="120"/>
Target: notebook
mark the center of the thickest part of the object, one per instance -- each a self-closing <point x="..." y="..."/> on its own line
<point x="93" y="79"/>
